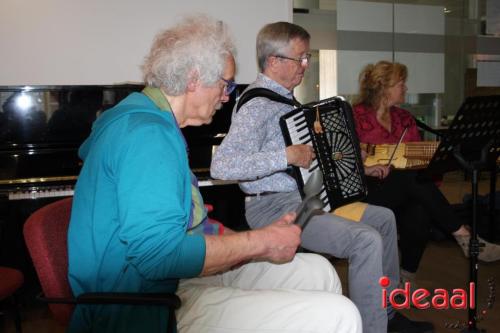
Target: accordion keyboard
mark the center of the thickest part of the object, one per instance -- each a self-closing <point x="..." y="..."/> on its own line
<point x="299" y="134"/>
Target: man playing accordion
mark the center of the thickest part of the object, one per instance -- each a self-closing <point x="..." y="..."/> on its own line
<point x="255" y="154"/>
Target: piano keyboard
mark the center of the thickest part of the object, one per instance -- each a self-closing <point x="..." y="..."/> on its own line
<point x="68" y="190"/>
<point x="49" y="192"/>
<point x="36" y="188"/>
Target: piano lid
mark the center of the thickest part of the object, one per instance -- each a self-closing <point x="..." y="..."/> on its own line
<point x="41" y="128"/>
<point x="48" y="115"/>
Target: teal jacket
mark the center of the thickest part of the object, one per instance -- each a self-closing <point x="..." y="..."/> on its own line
<point x="130" y="213"/>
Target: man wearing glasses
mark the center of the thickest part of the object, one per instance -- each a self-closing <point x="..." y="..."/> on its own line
<point x="254" y="153"/>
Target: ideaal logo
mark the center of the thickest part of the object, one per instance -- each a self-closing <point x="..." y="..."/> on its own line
<point x="418" y="298"/>
<point x="441" y="299"/>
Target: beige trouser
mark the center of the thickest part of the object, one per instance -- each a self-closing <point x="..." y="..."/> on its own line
<point x="304" y="295"/>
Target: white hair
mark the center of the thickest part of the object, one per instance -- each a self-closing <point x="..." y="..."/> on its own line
<point x="196" y="48"/>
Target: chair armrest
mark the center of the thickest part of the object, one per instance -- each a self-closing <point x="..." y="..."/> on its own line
<point x="55" y="300"/>
<point x="164" y="299"/>
<point x="158" y="299"/>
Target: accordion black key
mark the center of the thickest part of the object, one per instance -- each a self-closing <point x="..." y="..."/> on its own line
<point x="336" y="147"/>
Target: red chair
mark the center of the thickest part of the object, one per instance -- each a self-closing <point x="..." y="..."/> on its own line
<point x="45" y="233"/>
<point x="10" y="281"/>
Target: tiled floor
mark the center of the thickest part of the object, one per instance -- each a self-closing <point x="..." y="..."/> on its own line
<point x="443" y="266"/>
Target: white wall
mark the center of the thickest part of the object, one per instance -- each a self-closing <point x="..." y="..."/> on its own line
<point x="488" y="73"/>
<point x="56" y="42"/>
<point x="493" y="17"/>
<point x="375" y="20"/>
<point x="321" y="25"/>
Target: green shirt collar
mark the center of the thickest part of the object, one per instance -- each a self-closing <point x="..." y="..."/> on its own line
<point x="157" y="96"/>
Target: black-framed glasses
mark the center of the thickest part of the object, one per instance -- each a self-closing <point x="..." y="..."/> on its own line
<point x="230" y="86"/>
<point x="304" y="60"/>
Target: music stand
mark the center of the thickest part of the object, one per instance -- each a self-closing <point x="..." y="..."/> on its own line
<point x="472" y="142"/>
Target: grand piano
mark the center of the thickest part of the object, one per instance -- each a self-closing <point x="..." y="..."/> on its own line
<point x="41" y="129"/>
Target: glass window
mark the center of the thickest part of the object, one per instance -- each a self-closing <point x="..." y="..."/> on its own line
<point x="445" y="56"/>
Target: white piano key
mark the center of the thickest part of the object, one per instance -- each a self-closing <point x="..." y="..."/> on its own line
<point x="298" y="128"/>
<point x="214" y="182"/>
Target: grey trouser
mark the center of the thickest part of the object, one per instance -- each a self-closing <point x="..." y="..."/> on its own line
<point x="370" y="246"/>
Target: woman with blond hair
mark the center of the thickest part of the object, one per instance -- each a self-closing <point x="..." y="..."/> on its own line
<point x="418" y="205"/>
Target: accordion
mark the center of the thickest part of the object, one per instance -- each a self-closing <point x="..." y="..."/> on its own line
<point x="336" y="147"/>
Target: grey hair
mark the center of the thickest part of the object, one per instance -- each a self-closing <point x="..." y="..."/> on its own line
<point x="195" y="49"/>
<point x="274" y="39"/>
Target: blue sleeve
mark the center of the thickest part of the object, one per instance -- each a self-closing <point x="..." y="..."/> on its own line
<point x="154" y="202"/>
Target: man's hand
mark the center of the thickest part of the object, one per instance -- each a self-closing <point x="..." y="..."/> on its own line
<point x="379" y="171"/>
<point x="228" y="231"/>
<point x="281" y="239"/>
<point x="300" y="155"/>
<point x="276" y="243"/>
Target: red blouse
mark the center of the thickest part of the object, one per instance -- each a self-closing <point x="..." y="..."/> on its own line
<point x="371" y="131"/>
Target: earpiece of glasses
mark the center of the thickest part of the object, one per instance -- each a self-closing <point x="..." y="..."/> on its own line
<point x="230" y="86"/>
<point x="304" y="60"/>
